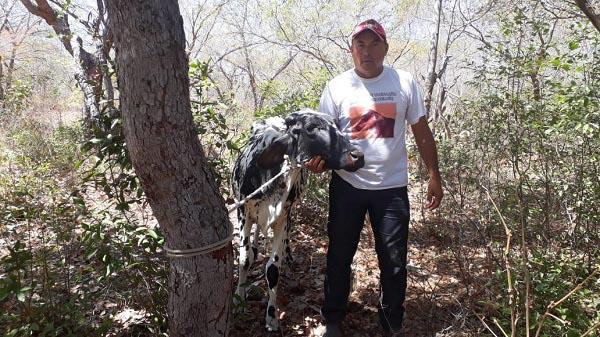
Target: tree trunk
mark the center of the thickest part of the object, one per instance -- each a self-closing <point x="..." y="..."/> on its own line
<point x="89" y="77"/>
<point x="168" y="158"/>
<point x="1" y="82"/>
<point x="592" y="13"/>
<point x="432" y="63"/>
<point x="11" y="67"/>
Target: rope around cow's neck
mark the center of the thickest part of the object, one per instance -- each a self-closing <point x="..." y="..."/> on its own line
<point x="262" y="188"/>
<point x="222" y="243"/>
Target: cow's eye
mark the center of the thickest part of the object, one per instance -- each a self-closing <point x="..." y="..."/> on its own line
<point x="311" y="128"/>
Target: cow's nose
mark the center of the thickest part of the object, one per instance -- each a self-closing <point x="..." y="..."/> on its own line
<point x="356" y="155"/>
<point x="356" y="160"/>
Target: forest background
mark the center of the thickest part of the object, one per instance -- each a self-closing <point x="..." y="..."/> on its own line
<point x="513" y="94"/>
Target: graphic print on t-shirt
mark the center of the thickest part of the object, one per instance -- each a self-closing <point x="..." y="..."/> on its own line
<point x="373" y="122"/>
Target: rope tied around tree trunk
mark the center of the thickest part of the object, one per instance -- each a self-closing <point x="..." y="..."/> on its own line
<point x="199" y="251"/>
<point x="176" y="253"/>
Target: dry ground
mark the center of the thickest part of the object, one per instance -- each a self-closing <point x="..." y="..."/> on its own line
<point x="436" y="296"/>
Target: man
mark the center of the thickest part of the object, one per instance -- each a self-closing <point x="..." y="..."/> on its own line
<point x="372" y="103"/>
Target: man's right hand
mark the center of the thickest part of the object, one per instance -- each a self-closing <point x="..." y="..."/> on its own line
<point x="316" y="165"/>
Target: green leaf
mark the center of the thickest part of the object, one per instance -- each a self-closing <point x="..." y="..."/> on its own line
<point x="555" y="62"/>
<point x="78" y="201"/>
<point x="573" y="45"/>
<point x="4" y="292"/>
<point x="92" y="254"/>
<point x="22" y="294"/>
<point x="152" y="233"/>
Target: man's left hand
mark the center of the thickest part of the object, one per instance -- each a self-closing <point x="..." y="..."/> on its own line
<point x="435" y="193"/>
<point x="316" y="165"/>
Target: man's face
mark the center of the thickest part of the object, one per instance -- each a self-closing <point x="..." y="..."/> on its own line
<point x="368" y="52"/>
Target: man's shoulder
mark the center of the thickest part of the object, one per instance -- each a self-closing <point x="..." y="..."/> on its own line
<point x="401" y="75"/>
<point x="344" y="77"/>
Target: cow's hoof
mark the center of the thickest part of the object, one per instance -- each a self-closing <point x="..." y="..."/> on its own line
<point x="239" y="303"/>
<point x="272" y="325"/>
<point x="239" y="295"/>
<point x="272" y="329"/>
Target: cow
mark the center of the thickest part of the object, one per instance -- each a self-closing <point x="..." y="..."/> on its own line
<point x="278" y="144"/>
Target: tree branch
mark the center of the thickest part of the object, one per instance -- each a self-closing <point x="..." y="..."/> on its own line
<point x="553" y="305"/>
<point x="590" y="11"/>
<point x="59" y="23"/>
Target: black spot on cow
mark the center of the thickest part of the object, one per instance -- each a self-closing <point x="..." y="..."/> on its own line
<point x="276" y="258"/>
<point x="246" y="264"/>
<point x="272" y="276"/>
<point x="271" y="311"/>
<point x="255" y="251"/>
<point x="293" y="194"/>
<point x="245" y="243"/>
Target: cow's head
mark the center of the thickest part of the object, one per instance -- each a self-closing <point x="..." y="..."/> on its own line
<point x="308" y="134"/>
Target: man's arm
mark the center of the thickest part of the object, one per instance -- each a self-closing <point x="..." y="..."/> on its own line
<point x="428" y="151"/>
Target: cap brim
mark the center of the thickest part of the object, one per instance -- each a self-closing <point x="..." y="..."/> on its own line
<point x="364" y="29"/>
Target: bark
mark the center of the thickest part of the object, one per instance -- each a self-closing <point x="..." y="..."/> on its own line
<point x="432" y="64"/>
<point x="534" y="74"/>
<point x="103" y="49"/>
<point x="168" y="158"/>
<point x="89" y="79"/>
<point x="10" y="67"/>
<point x="593" y="13"/>
<point x="1" y="82"/>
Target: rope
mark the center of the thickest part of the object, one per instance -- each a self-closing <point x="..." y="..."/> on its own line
<point x="199" y="251"/>
<point x="262" y="189"/>
<point x="222" y="243"/>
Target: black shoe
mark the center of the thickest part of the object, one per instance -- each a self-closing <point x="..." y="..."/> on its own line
<point x="399" y="333"/>
<point x="388" y="333"/>
<point x="333" y="330"/>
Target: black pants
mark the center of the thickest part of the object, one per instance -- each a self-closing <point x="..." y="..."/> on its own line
<point x="389" y="212"/>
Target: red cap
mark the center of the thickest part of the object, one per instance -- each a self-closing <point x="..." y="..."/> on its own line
<point x="371" y="25"/>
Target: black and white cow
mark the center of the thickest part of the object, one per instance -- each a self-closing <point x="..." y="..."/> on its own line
<point x="277" y="143"/>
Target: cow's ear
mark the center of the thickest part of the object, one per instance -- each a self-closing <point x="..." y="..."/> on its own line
<point x="273" y="154"/>
<point x="293" y="126"/>
<point x="291" y="120"/>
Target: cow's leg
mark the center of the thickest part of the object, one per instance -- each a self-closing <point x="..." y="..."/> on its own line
<point x="246" y="255"/>
<point x="272" y="274"/>
<point x="255" y="241"/>
<point x="286" y="241"/>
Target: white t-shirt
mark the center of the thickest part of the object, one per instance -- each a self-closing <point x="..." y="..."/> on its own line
<point x="373" y="114"/>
